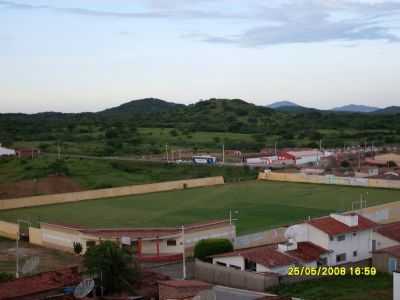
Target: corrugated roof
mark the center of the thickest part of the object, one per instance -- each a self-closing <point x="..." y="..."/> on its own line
<point x="267" y="256"/>
<point x="332" y="226"/>
<point x="40" y="283"/>
<point x="390" y="230"/>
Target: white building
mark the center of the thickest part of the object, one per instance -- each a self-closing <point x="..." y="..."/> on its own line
<point x="347" y="237"/>
<point x="6" y="151"/>
<point x="276" y="258"/>
<point x="307" y="156"/>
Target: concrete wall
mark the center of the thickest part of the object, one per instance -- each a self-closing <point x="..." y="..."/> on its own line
<point x="35" y="236"/>
<point x="383" y="241"/>
<point x="220" y="275"/>
<point x="330" y="179"/>
<point x="9" y="230"/>
<point x="109" y="193"/>
<point x="235" y="261"/>
<point x="384" y="213"/>
<point x="276" y="235"/>
<point x="381" y="261"/>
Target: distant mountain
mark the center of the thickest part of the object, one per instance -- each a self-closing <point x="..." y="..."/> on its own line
<point x="391" y="110"/>
<point x="147" y="105"/>
<point x="356" y="108"/>
<point x="280" y="104"/>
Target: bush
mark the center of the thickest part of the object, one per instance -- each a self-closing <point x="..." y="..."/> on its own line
<point x="6" y="277"/>
<point x="209" y="247"/>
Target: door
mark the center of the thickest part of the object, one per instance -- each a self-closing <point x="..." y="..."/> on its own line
<point x="392" y="264"/>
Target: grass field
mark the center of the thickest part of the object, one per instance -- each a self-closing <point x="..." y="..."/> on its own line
<point x="379" y="287"/>
<point x="261" y="205"/>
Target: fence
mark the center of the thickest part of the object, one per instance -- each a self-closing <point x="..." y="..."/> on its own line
<point x="220" y="275"/>
<point x="9" y="230"/>
<point x="330" y="179"/>
<point x="109" y="193"/>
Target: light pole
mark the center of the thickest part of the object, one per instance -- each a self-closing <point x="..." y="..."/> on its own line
<point x="183" y="253"/>
<point x="236" y="212"/>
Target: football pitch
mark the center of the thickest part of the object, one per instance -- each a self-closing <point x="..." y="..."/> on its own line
<point x="260" y="205"/>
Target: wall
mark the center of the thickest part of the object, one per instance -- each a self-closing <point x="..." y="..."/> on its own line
<point x="9" y="230"/>
<point x="219" y="275"/>
<point x="35" y="236"/>
<point x="330" y="179"/>
<point x="272" y="236"/>
<point x="109" y="193"/>
<point x="383" y="241"/>
<point x="384" y="213"/>
<point x="236" y="261"/>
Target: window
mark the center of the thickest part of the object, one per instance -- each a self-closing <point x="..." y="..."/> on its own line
<point x="235" y="267"/>
<point x="322" y="261"/>
<point x="354" y="233"/>
<point x="341" y="257"/>
<point x="373" y="245"/>
<point x="341" y="238"/>
<point x="355" y="253"/>
<point x="331" y="238"/>
<point x="171" y="242"/>
<point x="221" y="264"/>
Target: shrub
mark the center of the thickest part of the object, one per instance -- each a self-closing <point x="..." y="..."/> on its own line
<point x="6" y="277"/>
<point x="206" y="248"/>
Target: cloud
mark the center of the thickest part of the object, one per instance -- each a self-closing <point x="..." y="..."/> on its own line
<point x="273" y="22"/>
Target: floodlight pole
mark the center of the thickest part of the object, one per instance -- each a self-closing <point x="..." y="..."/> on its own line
<point x="17" y="258"/>
<point x="183" y="254"/>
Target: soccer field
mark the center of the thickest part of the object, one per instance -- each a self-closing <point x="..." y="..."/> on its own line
<point x="261" y="205"/>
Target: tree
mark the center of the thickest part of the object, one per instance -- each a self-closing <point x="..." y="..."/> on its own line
<point x="205" y="248"/>
<point x="345" y="164"/>
<point x="113" y="265"/>
<point x="77" y="248"/>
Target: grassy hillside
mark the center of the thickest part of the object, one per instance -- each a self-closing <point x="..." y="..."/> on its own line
<point x="144" y="126"/>
<point x="261" y="205"/>
<point x="92" y="174"/>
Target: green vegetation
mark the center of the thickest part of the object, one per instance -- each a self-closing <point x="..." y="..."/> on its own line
<point x="6" y="277"/>
<point x="112" y="266"/>
<point x="143" y="127"/>
<point x="205" y="248"/>
<point x="261" y="205"/>
<point x="341" y="288"/>
<point x="77" y="248"/>
<point x="92" y="174"/>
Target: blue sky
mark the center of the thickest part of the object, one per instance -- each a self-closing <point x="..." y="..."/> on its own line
<point x="85" y="55"/>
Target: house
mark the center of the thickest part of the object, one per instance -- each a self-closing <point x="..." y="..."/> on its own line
<point x="276" y="258"/>
<point x="6" y="152"/>
<point x="348" y="237"/>
<point x="148" y="244"/>
<point x="40" y="286"/>
<point x="303" y="157"/>
<point x="386" y="247"/>
<point x="389" y="157"/>
<point x="366" y="172"/>
<point x="27" y="152"/>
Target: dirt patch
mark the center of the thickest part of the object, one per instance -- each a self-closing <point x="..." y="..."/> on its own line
<point x="44" y="186"/>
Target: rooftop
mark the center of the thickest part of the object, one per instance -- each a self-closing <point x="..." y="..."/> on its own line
<point x="185" y="284"/>
<point x="390" y="230"/>
<point x="40" y="283"/>
<point x="332" y="226"/>
<point x="393" y="251"/>
<point x="307" y="251"/>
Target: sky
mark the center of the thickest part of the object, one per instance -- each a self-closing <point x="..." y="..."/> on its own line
<point x="86" y="55"/>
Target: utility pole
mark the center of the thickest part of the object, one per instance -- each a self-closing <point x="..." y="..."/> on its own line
<point x="59" y="150"/>
<point x="166" y="152"/>
<point x="230" y="216"/>
<point x="17" y="258"/>
<point x="223" y="153"/>
<point x="276" y="152"/>
<point x="183" y="254"/>
<point x="359" y="159"/>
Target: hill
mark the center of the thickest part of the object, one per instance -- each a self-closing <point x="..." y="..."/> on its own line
<point x="281" y="104"/>
<point x="356" y="108"/>
<point x="147" y="105"/>
<point x="391" y="110"/>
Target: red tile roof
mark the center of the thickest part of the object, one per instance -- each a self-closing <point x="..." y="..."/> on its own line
<point x="40" y="283"/>
<point x="307" y="252"/>
<point x="393" y="251"/>
<point x="185" y="284"/>
<point x="390" y="230"/>
<point x="267" y="256"/>
<point x="332" y="226"/>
